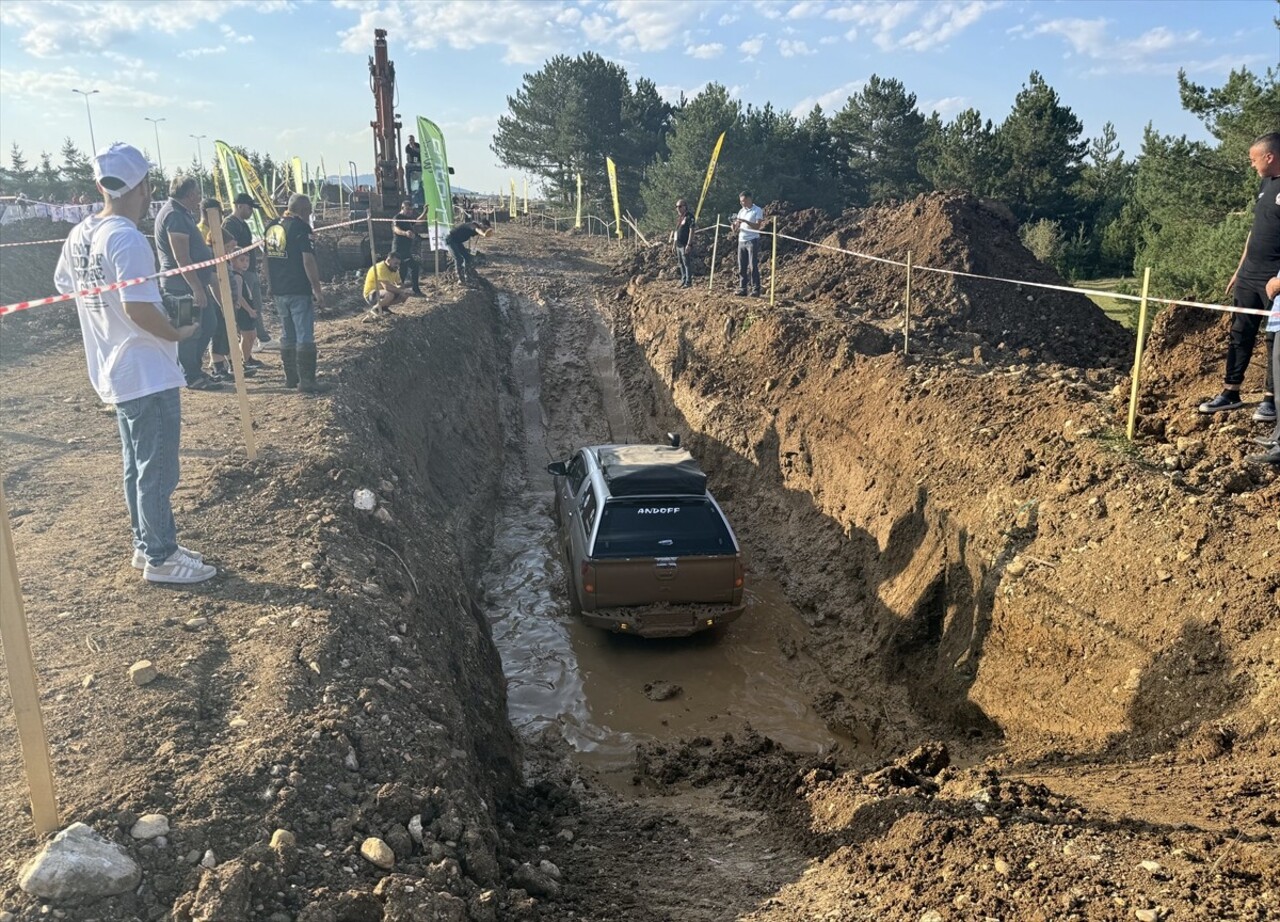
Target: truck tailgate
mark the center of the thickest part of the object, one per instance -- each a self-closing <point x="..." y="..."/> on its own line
<point x="665" y="580"/>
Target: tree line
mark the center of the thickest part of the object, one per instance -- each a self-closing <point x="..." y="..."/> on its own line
<point x="62" y="181"/>
<point x="1180" y="206"/>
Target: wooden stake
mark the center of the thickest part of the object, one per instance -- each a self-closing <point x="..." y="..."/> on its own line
<point x="213" y="218"/>
<point x="1137" y="355"/>
<point x="368" y="222"/>
<point x="773" y="260"/>
<point x="23" y="688"/>
<point x="715" y="246"/>
<point x="906" y="317"/>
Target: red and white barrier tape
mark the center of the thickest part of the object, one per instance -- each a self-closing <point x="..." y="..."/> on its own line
<point x="31" y="243"/>
<point x="116" y="286"/>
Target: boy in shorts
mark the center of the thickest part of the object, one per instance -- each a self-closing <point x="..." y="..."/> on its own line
<point x="246" y="316"/>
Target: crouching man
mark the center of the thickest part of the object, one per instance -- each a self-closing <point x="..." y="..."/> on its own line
<point x="132" y="352"/>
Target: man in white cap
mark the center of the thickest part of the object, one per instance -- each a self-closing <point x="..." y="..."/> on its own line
<point x="132" y="351"/>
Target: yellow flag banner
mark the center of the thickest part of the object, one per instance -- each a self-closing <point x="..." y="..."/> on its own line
<point x="613" y="187"/>
<point x="578" y="221"/>
<point x="513" y="198"/>
<point x="299" y="184"/>
<point x="526" y="196"/>
<point x="706" y="183"/>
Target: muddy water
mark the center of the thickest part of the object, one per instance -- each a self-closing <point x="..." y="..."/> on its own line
<point x="588" y="685"/>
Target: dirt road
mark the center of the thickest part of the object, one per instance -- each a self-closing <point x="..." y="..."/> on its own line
<point x="413" y="675"/>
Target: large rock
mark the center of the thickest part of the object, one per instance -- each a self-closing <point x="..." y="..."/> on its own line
<point x="79" y="864"/>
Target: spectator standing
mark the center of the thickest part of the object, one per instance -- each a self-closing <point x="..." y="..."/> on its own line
<point x="131" y="350"/>
<point x="683" y="238"/>
<point x="238" y="223"/>
<point x="382" y="288"/>
<point x="413" y="155"/>
<point x="747" y="224"/>
<point x="405" y="243"/>
<point x="1258" y="264"/>
<point x="246" y="315"/>
<point x="220" y="343"/>
<point x="179" y="243"/>
<point x="456" y="241"/>
<point x="295" y="284"/>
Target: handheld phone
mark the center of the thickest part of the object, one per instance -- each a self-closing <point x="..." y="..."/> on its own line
<point x="184" y="307"/>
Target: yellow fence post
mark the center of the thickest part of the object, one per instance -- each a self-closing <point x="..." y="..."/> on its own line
<point x="773" y="260"/>
<point x="1137" y="354"/>
<point x="23" y="689"/>
<point x="906" y="317"/>
<point x="214" y="220"/>
<point x="715" y="246"/>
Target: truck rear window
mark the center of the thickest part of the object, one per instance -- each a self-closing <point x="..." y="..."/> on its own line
<point x="661" y="528"/>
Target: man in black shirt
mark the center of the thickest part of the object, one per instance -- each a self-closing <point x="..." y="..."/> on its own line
<point x="456" y="240"/>
<point x="295" y="284"/>
<point x="683" y="240"/>
<point x="405" y="244"/>
<point x="1258" y="264"/>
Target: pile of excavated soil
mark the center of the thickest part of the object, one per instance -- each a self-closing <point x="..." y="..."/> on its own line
<point x="1007" y="323"/>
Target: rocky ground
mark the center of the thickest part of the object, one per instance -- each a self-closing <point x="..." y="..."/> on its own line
<point x="1057" y="650"/>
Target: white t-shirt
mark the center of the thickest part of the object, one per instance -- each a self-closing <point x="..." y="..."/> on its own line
<point x="754" y="214"/>
<point x="125" y="361"/>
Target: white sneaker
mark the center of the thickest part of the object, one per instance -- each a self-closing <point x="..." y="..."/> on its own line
<point x="140" y="559"/>
<point x="179" y="568"/>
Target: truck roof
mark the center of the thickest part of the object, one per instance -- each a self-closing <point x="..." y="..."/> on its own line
<point x="650" y="470"/>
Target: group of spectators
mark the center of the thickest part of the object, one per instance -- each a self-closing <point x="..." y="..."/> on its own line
<point x="147" y="341"/>
<point x="746" y="224"/>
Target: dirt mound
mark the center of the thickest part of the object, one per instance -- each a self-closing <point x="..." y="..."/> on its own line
<point x="1006" y="323"/>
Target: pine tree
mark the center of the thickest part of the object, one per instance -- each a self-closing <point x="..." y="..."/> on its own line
<point x="879" y="132"/>
<point x="1040" y="152"/>
<point x="963" y="154"/>
<point x="693" y="136"/>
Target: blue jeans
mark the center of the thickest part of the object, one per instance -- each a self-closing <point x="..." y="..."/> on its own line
<point x="460" y="259"/>
<point x="683" y="256"/>
<point x="297" y="319"/>
<point x="150" y="430"/>
<point x="191" y="351"/>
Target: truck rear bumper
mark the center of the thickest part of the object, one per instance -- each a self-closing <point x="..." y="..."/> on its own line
<point x="663" y="620"/>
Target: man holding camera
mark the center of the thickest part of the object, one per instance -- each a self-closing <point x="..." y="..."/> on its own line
<point x="131" y="350"/>
<point x="747" y="224"/>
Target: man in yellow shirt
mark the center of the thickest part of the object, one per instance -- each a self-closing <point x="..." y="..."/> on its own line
<point x="382" y="288"/>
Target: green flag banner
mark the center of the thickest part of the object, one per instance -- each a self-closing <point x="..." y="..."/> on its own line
<point x="437" y="189"/>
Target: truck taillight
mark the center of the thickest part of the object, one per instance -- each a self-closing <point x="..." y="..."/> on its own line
<point x="738" y="575"/>
<point x="588" y="577"/>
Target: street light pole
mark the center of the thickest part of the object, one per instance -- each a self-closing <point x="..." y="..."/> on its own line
<point x="155" y="123"/>
<point x="200" y="159"/>
<point x="92" y="143"/>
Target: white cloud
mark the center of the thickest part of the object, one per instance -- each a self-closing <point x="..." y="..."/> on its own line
<point x="831" y="101"/>
<point x="727" y="19"/>
<point x="752" y="46"/>
<point x="793" y="49"/>
<point x="705" y="52"/>
<point x="232" y="35"/>
<point x="947" y="106"/>
<point x="1159" y="50"/>
<point x="672" y="93"/>
<point x="805" y="9"/>
<point x="910" y="25"/>
<point x="53" y="28"/>
<point x="828" y="40"/>
<point x="202" y="52"/>
<point x="57" y="85"/>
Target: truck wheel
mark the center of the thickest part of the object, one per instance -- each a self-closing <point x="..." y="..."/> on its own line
<point x="575" y="606"/>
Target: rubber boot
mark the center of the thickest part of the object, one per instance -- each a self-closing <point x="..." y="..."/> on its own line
<point x="307" y="369"/>
<point x="289" y="359"/>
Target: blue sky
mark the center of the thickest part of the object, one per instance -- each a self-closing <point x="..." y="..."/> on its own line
<point x="290" y="76"/>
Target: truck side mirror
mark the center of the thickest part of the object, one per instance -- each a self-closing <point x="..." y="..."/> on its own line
<point x="674" y="439"/>
<point x="558" y="469"/>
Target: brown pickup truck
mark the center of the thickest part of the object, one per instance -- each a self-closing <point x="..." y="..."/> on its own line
<point x="648" y="549"/>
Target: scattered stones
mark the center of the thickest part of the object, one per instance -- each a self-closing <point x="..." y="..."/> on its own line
<point x="79" y="864"/>
<point x="1002" y="867"/>
<point x="1148" y="915"/>
<point x="194" y="624"/>
<point x="1151" y="867"/>
<point x="150" y="826"/>
<point x="209" y="861"/>
<point x="86" y="682"/>
<point x="283" y="838"/>
<point x="931" y="915"/>
<point x="415" y="828"/>
<point x="535" y="881"/>
<point x="661" y="691"/>
<point x="378" y="853"/>
<point x="142" y="672"/>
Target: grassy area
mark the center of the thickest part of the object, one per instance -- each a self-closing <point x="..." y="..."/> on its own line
<point x="1123" y="312"/>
